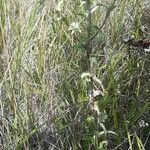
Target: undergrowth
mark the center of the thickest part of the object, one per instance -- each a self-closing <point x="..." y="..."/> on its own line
<point x="67" y="78"/>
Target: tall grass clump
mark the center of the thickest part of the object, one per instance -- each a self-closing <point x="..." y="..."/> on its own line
<point x="70" y="78"/>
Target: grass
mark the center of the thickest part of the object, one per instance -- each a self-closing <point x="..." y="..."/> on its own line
<point x="46" y="72"/>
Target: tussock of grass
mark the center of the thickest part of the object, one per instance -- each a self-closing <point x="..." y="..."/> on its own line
<point x="44" y="102"/>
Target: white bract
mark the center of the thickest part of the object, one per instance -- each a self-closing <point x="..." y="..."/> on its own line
<point x="147" y="49"/>
<point x="143" y="124"/>
<point x="74" y="27"/>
